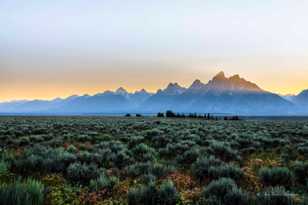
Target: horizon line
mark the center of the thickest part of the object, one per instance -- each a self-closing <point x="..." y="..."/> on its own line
<point x="130" y="91"/>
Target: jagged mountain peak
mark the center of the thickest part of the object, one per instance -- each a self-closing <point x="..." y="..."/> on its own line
<point x="142" y="91"/>
<point x="301" y="98"/>
<point x="234" y="83"/>
<point x="235" y="77"/>
<point x="173" y="88"/>
<point x="304" y="93"/>
<point x="72" y="97"/>
<point x="197" y="84"/>
<point x="121" y="90"/>
<point x="173" y="85"/>
<point x="220" y="76"/>
<point x="221" y="83"/>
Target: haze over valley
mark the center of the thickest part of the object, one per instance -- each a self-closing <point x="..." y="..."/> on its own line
<point x="232" y="95"/>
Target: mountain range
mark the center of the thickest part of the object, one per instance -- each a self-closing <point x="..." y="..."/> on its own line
<point x="226" y="95"/>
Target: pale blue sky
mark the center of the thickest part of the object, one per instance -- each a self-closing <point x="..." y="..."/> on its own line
<point x="73" y="46"/>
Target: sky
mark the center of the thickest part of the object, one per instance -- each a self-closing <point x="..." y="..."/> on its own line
<point x="57" y="48"/>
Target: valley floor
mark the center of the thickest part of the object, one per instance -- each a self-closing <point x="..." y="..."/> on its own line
<point x="149" y="160"/>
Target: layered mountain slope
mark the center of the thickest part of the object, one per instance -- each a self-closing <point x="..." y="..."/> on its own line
<point x="220" y="83"/>
<point x="229" y="95"/>
<point x="163" y="99"/>
<point x="302" y="98"/>
<point x="233" y="83"/>
<point x="232" y="95"/>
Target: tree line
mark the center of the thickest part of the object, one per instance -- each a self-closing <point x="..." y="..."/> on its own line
<point x="206" y="116"/>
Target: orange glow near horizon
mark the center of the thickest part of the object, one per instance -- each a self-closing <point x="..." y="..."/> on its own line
<point x="42" y="79"/>
<point x="56" y="49"/>
<point x="48" y="92"/>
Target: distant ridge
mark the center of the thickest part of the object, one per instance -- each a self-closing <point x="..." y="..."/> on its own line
<point x="173" y="89"/>
<point x="233" y="83"/>
<point x="302" y="98"/>
<point x="221" y="94"/>
<point x="220" y="83"/>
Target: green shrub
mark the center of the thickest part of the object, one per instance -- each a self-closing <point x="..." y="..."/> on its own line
<point x="226" y="170"/>
<point x="103" y="182"/>
<point x="165" y="194"/>
<point x="237" y="196"/>
<point x="160" y="170"/>
<point x="7" y="157"/>
<point x="121" y="159"/>
<point x="201" y="167"/>
<point x="160" y="141"/>
<point x="168" y="194"/>
<point x="58" y="160"/>
<point x="135" y="140"/>
<point x="143" y="152"/>
<point x="3" y="168"/>
<point x="223" y="151"/>
<point x="148" y="179"/>
<point x="189" y="156"/>
<point x="44" y="159"/>
<point x="274" y="196"/>
<point x="178" y="148"/>
<point x="85" y="157"/>
<point x="219" y="188"/>
<point x="82" y="173"/>
<point x="138" y="169"/>
<point x="223" y="191"/>
<point x="72" y="149"/>
<point x="155" y="169"/>
<point x="149" y="134"/>
<point x="144" y="195"/>
<point x="30" y="192"/>
<point x="288" y="154"/>
<point x="277" y="176"/>
<point x="23" y="141"/>
<point x="114" y="154"/>
<point x="300" y="170"/>
<point x="303" y="150"/>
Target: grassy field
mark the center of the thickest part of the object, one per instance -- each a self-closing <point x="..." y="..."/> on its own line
<point x="114" y="160"/>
